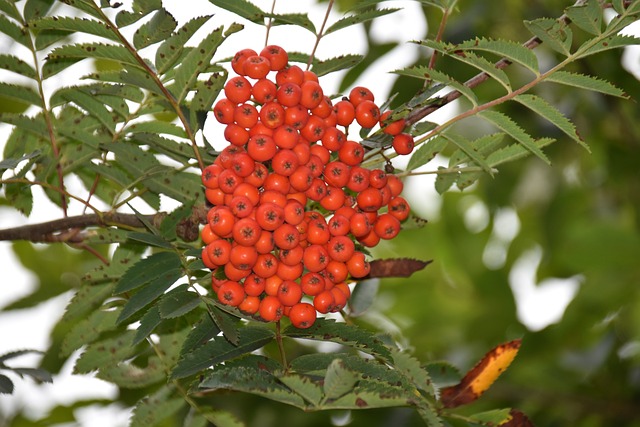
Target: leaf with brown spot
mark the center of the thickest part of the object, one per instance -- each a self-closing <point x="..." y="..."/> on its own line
<point x="518" y="419"/>
<point x="396" y="267"/>
<point x="482" y="376"/>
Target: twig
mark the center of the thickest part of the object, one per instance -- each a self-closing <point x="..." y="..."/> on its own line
<point x="417" y="115"/>
<point x="320" y="34"/>
<point x="69" y="229"/>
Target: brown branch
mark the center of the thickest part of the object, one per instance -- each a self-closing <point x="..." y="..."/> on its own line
<point x="73" y="229"/>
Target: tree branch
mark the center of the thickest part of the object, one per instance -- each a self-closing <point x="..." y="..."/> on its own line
<point x="419" y="114"/>
<point x="71" y="229"/>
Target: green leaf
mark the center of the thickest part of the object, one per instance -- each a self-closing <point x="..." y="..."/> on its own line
<point x="251" y="380"/>
<point x="6" y="385"/>
<point x="426" y="73"/>
<point x="152" y="410"/>
<point x="35" y="9"/>
<point x="144" y="167"/>
<point x="553" y="33"/>
<point x="141" y="8"/>
<point x="86" y="6"/>
<point x="178" y="302"/>
<point x="17" y="65"/>
<point x="467" y="148"/>
<point x="20" y="197"/>
<point x="17" y="353"/>
<point x="587" y="16"/>
<point x="65" y="56"/>
<point x="75" y="25"/>
<point x="10" y="9"/>
<point x="218" y="418"/>
<point x="12" y="30"/>
<point x="157" y="29"/>
<point x="299" y="19"/>
<point x="349" y="335"/>
<point x="514" y="52"/>
<point x="494" y="417"/>
<point x="12" y="163"/>
<point x="225" y="321"/>
<point x="585" y="82"/>
<point x="618" y="6"/>
<point x="195" y="63"/>
<point x="504" y="123"/>
<point x="338" y="380"/>
<point x="429" y="415"/>
<point x="152" y="370"/>
<point x="88" y="330"/>
<point x="177" y="219"/>
<point x="109" y="351"/>
<point x="304" y="386"/>
<point x="359" y="18"/>
<point x="34" y="125"/>
<point x="242" y="8"/>
<point x="172" y="48"/>
<point x="219" y="350"/>
<point x="372" y="394"/>
<point x="615" y="42"/>
<point x="515" y="152"/>
<point x="148" y="323"/>
<point x="150" y="239"/>
<point x="363" y="296"/>
<point x="411" y="369"/>
<point x="445" y="180"/>
<point x="20" y="94"/>
<point x="318" y="363"/>
<point x="426" y="152"/>
<point x="150" y="292"/>
<point x="156" y="127"/>
<point x="37" y="374"/>
<point x="338" y="63"/>
<point x="148" y="269"/>
<point x="86" y="100"/>
<point x="443" y="374"/>
<point x="201" y="333"/>
<point x="549" y="112"/>
<point x="471" y="59"/>
<point x="485" y="145"/>
<point x="132" y="77"/>
<point x="86" y="299"/>
<point x="178" y="151"/>
<point x="130" y="376"/>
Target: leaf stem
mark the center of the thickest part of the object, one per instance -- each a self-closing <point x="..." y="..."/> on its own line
<point x="443" y="22"/>
<point x="269" y="23"/>
<point x="49" y="123"/>
<point x="283" y="355"/>
<point x="320" y="34"/>
<point x="167" y="94"/>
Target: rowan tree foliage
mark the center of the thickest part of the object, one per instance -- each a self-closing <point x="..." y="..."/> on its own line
<point x="171" y="307"/>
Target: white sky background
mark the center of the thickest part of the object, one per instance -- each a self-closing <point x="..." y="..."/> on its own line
<point x="30" y="328"/>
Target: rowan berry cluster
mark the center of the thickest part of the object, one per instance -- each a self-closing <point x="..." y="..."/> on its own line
<point x="291" y="203"/>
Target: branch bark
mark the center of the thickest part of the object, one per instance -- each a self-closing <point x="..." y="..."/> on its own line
<point x="71" y="229"/>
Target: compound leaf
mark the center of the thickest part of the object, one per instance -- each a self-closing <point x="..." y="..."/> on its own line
<point x="543" y="108"/>
<point x="349" y="335"/>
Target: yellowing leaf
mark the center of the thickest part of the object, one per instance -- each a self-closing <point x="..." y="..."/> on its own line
<point x="481" y="376"/>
